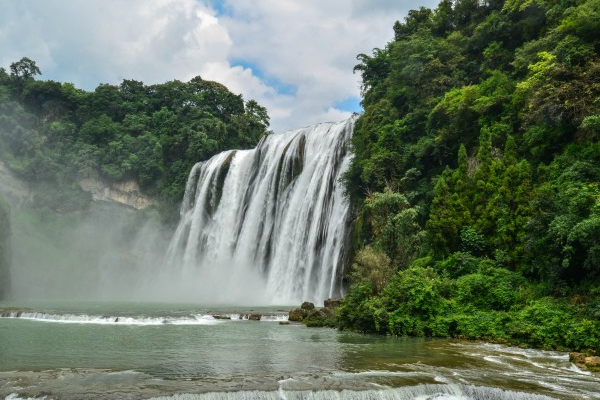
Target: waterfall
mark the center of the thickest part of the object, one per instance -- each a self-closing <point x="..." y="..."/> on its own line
<point x="270" y="224"/>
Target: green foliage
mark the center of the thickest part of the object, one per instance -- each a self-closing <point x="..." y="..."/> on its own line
<point x="372" y="267"/>
<point x="458" y="264"/>
<point x="396" y="226"/>
<point x="56" y="134"/>
<point x="362" y="311"/>
<point x="489" y="289"/>
<point x="484" y="118"/>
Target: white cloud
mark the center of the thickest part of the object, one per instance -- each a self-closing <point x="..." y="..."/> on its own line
<point x="90" y="42"/>
<point x="309" y="45"/>
<point x="312" y="45"/>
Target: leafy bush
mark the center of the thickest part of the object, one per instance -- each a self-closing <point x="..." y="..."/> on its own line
<point x="458" y="264"/>
<point x="361" y="311"/>
<point x="490" y="289"/>
<point x="372" y="266"/>
<point x="543" y="323"/>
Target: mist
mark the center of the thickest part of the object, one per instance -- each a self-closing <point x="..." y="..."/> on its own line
<point x="110" y="253"/>
<point x="266" y="226"/>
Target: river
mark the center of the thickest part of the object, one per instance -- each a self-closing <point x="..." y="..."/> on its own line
<point x="146" y="350"/>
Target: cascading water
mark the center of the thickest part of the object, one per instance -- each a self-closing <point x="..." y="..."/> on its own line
<point x="267" y="225"/>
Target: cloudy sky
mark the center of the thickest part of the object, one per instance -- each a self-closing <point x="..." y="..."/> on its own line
<point x="295" y="57"/>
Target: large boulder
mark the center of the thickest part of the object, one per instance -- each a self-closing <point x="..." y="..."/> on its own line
<point x="307" y="306"/>
<point x="577" y="358"/>
<point x="584" y="361"/>
<point x="332" y="303"/>
<point x="297" y="315"/>
<point x="592" y="363"/>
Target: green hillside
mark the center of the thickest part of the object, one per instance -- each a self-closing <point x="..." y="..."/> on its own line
<point x="475" y="182"/>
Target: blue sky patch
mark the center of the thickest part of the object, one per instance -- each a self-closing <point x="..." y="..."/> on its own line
<point x="220" y="7"/>
<point x="281" y="87"/>
<point x="351" y="104"/>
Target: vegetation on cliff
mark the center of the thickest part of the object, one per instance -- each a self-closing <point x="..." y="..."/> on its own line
<point x="53" y="134"/>
<point x="476" y="177"/>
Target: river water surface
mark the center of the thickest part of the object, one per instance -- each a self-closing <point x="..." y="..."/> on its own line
<point x="143" y="351"/>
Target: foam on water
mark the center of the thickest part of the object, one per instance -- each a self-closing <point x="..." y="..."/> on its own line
<point x="198" y="319"/>
<point x="419" y="392"/>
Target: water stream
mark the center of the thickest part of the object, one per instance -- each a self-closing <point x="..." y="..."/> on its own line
<point x="145" y="350"/>
<point x="262" y="226"/>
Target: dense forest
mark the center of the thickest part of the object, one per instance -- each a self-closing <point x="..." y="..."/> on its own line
<point x="475" y="182"/>
<point x="53" y="134"/>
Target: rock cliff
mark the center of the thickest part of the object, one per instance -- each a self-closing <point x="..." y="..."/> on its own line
<point x="126" y="193"/>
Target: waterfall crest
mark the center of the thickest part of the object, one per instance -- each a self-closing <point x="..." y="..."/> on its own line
<point x="267" y="225"/>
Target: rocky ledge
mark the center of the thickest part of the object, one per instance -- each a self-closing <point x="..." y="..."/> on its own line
<point x="311" y="316"/>
<point x="585" y="361"/>
<point x="126" y="193"/>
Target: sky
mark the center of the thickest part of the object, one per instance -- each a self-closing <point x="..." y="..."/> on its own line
<point x="295" y="57"/>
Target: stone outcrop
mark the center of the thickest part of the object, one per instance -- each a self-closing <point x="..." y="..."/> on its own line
<point x="254" y="317"/>
<point x="314" y="317"/>
<point x="297" y="315"/>
<point x="332" y="303"/>
<point x="585" y="362"/>
<point x="126" y="193"/>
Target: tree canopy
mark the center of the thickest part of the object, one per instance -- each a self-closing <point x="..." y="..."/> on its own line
<point x="476" y="175"/>
<point x="54" y="134"/>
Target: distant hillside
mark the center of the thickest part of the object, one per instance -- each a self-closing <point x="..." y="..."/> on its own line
<point x="53" y="134"/>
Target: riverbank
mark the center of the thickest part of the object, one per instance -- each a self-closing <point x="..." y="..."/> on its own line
<point x="540" y="323"/>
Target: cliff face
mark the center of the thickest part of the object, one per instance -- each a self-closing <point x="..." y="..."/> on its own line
<point x="5" y="256"/>
<point x="126" y="193"/>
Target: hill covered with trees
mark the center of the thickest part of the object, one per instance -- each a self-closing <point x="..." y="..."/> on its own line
<point x="53" y="134"/>
<point x="475" y="182"/>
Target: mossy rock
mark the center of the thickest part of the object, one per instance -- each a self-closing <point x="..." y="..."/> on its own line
<point x="297" y="315"/>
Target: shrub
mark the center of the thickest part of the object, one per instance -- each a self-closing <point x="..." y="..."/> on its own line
<point x="458" y="264"/>
<point x="415" y="291"/>
<point x="543" y="323"/>
<point x="490" y="289"/>
<point x="361" y="311"/>
<point x="483" y="325"/>
<point x="372" y="266"/>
